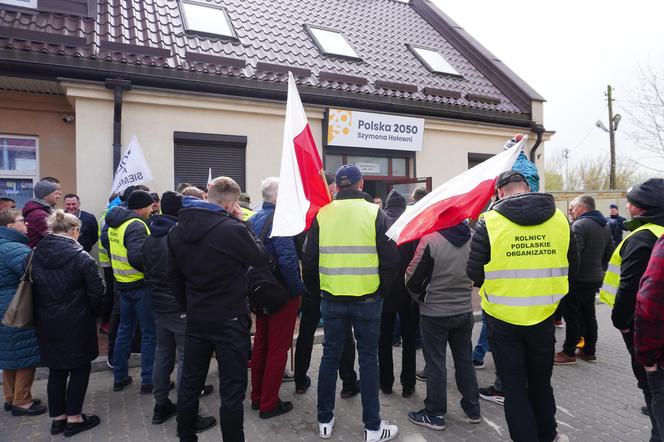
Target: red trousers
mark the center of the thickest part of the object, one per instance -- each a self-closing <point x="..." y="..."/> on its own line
<point x="273" y="339"/>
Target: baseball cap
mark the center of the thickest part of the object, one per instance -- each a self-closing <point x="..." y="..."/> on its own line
<point x="511" y="176"/>
<point x="613" y="206"/>
<point x="347" y="175"/>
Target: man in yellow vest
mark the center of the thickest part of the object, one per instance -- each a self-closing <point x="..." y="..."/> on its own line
<point x="127" y="231"/>
<point x="645" y="204"/>
<point x="351" y="263"/>
<point x="522" y="254"/>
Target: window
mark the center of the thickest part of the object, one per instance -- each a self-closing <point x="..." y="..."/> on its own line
<point x="332" y="42"/>
<point x="477" y="158"/>
<point x="433" y="60"/>
<point x="18" y="167"/>
<point x="196" y="153"/>
<point x="206" y="19"/>
<point x="370" y="165"/>
<point x="24" y="3"/>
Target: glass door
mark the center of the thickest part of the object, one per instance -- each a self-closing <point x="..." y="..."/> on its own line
<point x="406" y="186"/>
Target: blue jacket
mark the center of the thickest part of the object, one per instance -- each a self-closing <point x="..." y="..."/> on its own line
<point x="283" y="248"/>
<point x="18" y="346"/>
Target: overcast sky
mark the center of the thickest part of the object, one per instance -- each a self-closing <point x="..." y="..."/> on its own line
<point x="569" y="51"/>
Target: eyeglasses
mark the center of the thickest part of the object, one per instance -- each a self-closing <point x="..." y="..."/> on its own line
<point x="20" y="220"/>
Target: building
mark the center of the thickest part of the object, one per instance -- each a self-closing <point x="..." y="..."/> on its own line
<point x="394" y="86"/>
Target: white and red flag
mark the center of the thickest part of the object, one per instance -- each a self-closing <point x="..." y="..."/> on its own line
<point x="302" y="186"/>
<point x="462" y="197"/>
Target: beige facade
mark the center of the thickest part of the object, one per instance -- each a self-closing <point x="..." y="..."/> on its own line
<point x="154" y="115"/>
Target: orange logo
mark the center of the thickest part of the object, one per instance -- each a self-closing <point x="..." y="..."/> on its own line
<point x="339" y="122"/>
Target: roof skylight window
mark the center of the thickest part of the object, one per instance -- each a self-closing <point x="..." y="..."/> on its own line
<point x="332" y="42"/>
<point x="207" y="19"/>
<point x="24" y="3"/>
<point x="434" y="60"/>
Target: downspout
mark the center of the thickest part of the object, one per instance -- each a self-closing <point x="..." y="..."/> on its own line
<point x="118" y="86"/>
<point x="539" y="131"/>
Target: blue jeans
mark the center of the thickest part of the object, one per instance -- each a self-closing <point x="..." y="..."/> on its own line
<point x="365" y="319"/>
<point x="134" y="305"/>
<point x="482" y="346"/>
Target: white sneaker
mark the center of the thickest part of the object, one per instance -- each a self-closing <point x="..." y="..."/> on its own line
<point x="561" y="438"/>
<point x="385" y="432"/>
<point x="325" y="430"/>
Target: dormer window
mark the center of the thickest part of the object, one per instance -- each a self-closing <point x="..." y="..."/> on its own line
<point x="332" y="42"/>
<point x="206" y="19"/>
<point x="433" y="60"/>
<point x="24" y="3"/>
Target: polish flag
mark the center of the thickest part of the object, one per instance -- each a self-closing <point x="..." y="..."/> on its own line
<point x="462" y="197"/>
<point x="302" y="186"/>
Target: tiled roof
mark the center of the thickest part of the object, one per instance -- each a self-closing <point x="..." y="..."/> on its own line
<point x="269" y="32"/>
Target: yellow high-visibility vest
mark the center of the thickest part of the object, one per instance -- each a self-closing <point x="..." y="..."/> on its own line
<point x="104" y="259"/>
<point x="607" y="293"/>
<point x="246" y="213"/>
<point x="122" y="270"/>
<point x="348" y="260"/>
<point x="527" y="275"/>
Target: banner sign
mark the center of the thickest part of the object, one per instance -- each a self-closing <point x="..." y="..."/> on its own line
<point x="377" y="131"/>
<point x="133" y="169"/>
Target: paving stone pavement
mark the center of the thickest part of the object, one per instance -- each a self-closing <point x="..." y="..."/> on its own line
<point x="596" y="402"/>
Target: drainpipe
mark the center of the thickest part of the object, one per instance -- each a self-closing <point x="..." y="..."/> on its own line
<point x="539" y="131"/>
<point x="118" y="86"/>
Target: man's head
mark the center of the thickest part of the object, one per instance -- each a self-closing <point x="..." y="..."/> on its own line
<point x="580" y="205"/>
<point x="613" y="210"/>
<point x="224" y="192"/>
<point x="349" y="176"/>
<point x="245" y="200"/>
<point x="511" y="183"/>
<point x="378" y="201"/>
<point x="418" y="194"/>
<point x="72" y="203"/>
<point x="140" y="202"/>
<point x="194" y="192"/>
<point x="645" y="196"/>
<point x="171" y="203"/>
<point x="48" y="190"/>
<point x="155" y="202"/>
<point x="270" y="189"/>
<point x="7" y="203"/>
<point x="331" y="184"/>
<point x="180" y="187"/>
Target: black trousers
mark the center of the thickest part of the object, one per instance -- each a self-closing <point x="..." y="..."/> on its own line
<point x="524" y="362"/>
<point x="642" y="382"/>
<point x="409" y="320"/>
<point x="305" y="342"/>
<point x="230" y="342"/>
<point x="67" y="397"/>
<point x="580" y="319"/>
<point x="109" y="296"/>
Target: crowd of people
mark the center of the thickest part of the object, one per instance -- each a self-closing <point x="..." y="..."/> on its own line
<point x="169" y="281"/>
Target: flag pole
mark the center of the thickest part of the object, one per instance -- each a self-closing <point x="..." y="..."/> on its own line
<point x="321" y="172"/>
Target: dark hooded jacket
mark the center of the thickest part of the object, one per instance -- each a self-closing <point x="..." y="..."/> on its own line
<point x="593" y="240"/>
<point x="135" y="236"/>
<point x="68" y="295"/>
<point x="635" y="254"/>
<point x="209" y="254"/>
<point x="155" y="259"/>
<point x="526" y="209"/>
<point x="36" y="214"/>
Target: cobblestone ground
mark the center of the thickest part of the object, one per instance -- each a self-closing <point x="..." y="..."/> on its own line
<point x="596" y="402"/>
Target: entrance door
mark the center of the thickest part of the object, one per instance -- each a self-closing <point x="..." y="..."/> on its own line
<point x="406" y="187"/>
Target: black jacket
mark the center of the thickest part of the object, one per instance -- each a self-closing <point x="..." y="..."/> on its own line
<point x="89" y="230"/>
<point x="68" y="295"/>
<point x="135" y="236"/>
<point x="388" y="256"/>
<point x="209" y="254"/>
<point x="526" y="209"/>
<point x="593" y="240"/>
<point x="155" y="259"/>
<point x="635" y="254"/>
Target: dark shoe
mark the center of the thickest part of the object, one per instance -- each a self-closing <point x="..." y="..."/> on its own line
<point x="164" y="412"/>
<point x="562" y="358"/>
<point x="119" y="386"/>
<point x="34" y="410"/>
<point x="57" y="427"/>
<point x="282" y="407"/>
<point x="146" y="388"/>
<point x="492" y="395"/>
<point x="479" y="365"/>
<point x="407" y="392"/>
<point x="207" y="390"/>
<point x="8" y="405"/>
<point x="204" y="423"/>
<point x="396" y="343"/>
<point x="421" y="376"/>
<point x="347" y="394"/>
<point x="302" y="388"/>
<point x="586" y="357"/>
<point x="424" y="419"/>
<point x="645" y="410"/>
<point x="288" y="376"/>
<point x="386" y="390"/>
<point x="89" y="422"/>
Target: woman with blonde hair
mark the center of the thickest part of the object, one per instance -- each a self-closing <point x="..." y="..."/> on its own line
<point x="68" y="297"/>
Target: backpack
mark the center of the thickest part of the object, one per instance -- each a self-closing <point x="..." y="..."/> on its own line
<point x="267" y="293"/>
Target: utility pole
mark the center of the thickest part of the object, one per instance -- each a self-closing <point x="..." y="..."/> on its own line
<point x="612" y="140"/>
<point x="566" y="156"/>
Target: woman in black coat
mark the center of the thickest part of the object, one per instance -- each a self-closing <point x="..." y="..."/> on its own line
<point x="68" y="297"/>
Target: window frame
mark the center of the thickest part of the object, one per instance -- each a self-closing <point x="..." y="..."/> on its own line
<point x="413" y="49"/>
<point x="185" y="21"/>
<point x="321" y="48"/>
<point x="29" y="4"/>
<point x="22" y="174"/>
